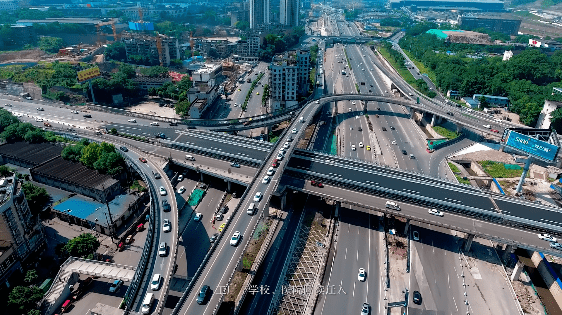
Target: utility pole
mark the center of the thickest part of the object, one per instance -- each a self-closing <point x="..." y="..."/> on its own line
<point x="112" y="224"/>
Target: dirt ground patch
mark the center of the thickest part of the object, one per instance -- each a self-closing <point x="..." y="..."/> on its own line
<point x="33" y="55"/>
<point x="303" y="142"/>
<point x="154" y="107"/>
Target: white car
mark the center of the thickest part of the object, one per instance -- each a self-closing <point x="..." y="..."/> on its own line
<point x="294" y="130"/>
<point x="393" y="142"/>
<point x="280" y="156"/>
<point x="163" y="191"/>
<point x="435" y="212"/>
<point x="487" y="126"/>
<point x="353" y="102"/>
<point x="132" y="120"/>
<point x="258" y="196"/>
<point x="547" y="237"/>
<point x="235" y="238"/>
<point x="266" y="179"/>
<point x="360" y="144"/>
<point x="286" y="145"/>
<point x="353" y="147"/>
<point x="349" y="109"/>
<point x="39" y="119"/>
<point x="362" y="275"/>
<point x="166" y="226"/>
<point x="270" y="171"/>
<point x="74" y="112"/>
<point x="181" y="190"/>
<point x="180" y="178"/>
<point x="156" y="282"/>
<point x="198" y="216"/>
<point x="40" y="109"/>
<point x="162" y="249"/>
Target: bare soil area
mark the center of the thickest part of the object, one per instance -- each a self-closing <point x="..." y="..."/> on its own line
<point x="33" y="55"/>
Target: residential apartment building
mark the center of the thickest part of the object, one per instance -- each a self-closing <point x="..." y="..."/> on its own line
<point x="259" y="13"/>
<point x="145" y="45"/>
<point x="21" y="234"/>
<point x="286" y="71"/>
<point x="250" y="47"/>
<point x="289" y="12"/>
<point x="9" y="5"/>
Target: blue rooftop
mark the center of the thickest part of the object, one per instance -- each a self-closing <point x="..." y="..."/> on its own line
<point x="90" y="210"/>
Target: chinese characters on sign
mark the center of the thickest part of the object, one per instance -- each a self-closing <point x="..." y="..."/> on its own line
<point x="88" y="74"/>
<point x="288" y="289"/>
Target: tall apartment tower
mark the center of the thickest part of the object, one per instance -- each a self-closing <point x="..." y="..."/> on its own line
<point x="289" y="12"/>
<point x="288" y="78"/>
<point x="303" y="70"/>
<point x="259" y="13"/>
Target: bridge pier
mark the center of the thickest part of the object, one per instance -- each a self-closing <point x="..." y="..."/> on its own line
<point x="201" y="177"/>
<point x="522" y="179"/>
<point x="337" y="210"/>
<point x="459" y="128"/>
<point x="517" y="271"/>
<point x="407" y="227"/>
<point x="468" y="243"/>
<point x="412" y="113"/>
<point x="284" y="201"/>
<point x="434" y="119"/>
<point x="509" y="249"/>
<point x="228" y="186"/>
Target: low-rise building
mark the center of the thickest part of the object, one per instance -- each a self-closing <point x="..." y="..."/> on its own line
<point x="197" y="108"/>
<point x="145" y="83"/>
<point x="160" y="47"/>
<point x="9" y="5"/>
<point x="203" y="92"/>
<point x="499" y="101"/>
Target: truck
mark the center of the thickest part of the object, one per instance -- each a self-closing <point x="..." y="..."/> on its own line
<point x="82" y="287"/>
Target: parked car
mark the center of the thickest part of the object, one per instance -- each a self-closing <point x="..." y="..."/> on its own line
<point x="417" y="298"/>
<point x="115" y="286"/>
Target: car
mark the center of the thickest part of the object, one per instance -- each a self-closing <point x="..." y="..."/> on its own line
<point x="392" y="128"/>
<point x="40" y="109"/>
<point x="180" y="178"/>
<point x="124" y="149"/>
<point x="353" y="147"/>
<point x="181" y="190"/>
<point x="368" y="148"/>
<point x="234" y="164"/>
<point x="316" y="184"/>
<point x="213" y="237"/>
<point x="173" y="123"/>
<point x="39" y="119"/>
<point x="87" y="116"/>
<point x="383" y="128"/>
<point x="294" y="130"/>
<point x="286" y="145"/>
<point x="404" y="152"/>
<point x="129" y="239"/>
<point x="142" y="159"/>
<point x="417" y="298"/>
<point x="162" y="249"/>
<point x="258" y="196"/>
<point x="166" y="225"/>
<point x="450" y="114"/>
<point x="416" y="235"/>
<point x="197" y="217"/>
<point x="115" y="286"/>
<point x="547" y="237"/>
<point x="46" y="124"/>
<point x="154" y="123"/>
<point x="235" y="238"/>
<point x="275" y="163"/>
<point x="362" y="275"/>
<point x="266" y="179"/>
<point x="487" y="126"/>
<point x="353" y="102"/>
<point x="412" y="156"/>
<point x="132" y="120"/>
<point x="360" y="144"/>
<point x="494" y="130"/>
<point x="163" y="191"/>
<point x="219" y="216"/>
<point x="74" y="111"/>
<point x="224" y="209"/>
<point x="435" y="212"/>
<point x="366" y="309"/>
<point x="393" y="142"/>
<point x="279" y="157"/>
<point x="166" y="206"/>
<point x="270" y="171"/>
<point x="202" y="296"/>
<point x="156" y="282"/>
<point x="556" y="245"/>
<point x="290" y="139"/>
<point x="317" y="102"/>
<point x="349" y="109"/>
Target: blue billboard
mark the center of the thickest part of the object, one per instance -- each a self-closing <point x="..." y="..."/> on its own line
<point x="537" y="148"/>
<point x="141" y="26"/>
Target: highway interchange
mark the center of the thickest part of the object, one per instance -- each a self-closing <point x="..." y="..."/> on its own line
<point x="386" y="149"/>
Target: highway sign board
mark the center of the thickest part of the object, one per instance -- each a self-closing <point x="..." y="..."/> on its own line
<point x="531" y="146"/>
<point x="88" y="74"/>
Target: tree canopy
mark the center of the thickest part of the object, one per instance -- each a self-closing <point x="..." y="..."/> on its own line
<point x="101" y="157"/>
<point x="36" y="197"/>
<point x="24" y="299"/>
<point x="83" y="246"/>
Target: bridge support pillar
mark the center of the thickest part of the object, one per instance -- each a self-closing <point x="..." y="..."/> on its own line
<point x="433" y="120"/>
<point x="228" y="186"/>
<point x="522" y="179"/>
<point x="517" y="271"/>
<point x="468" y="243"/>
<point x="407" y="227"/>
<point x="284" y="201"/>
<point x="509" y="249"/>
<point x="412" y="113"/>
<point x="459" y="128"/>
<point x="337" y="210"/>
<point x="201" y="177"/>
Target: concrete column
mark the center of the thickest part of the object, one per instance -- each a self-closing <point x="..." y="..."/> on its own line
<point x="508" y="250"/>
<point x="201" y="177"/>
<point x="468" y="243"/>
<point x="522" y="179"/>
<point x="337" y="211"/>
<point x="412" y="113"/>
<point x="407" y="227"/>
<point x="228" y="186"/>
<point x="283" y="201"/>
<point x="433" y="120"/>
<point x="459" y="128"/>
<point x="517" y="271"/>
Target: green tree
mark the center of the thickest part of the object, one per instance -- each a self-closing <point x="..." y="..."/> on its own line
<point x="72" y="152"/>
<point x="50" y="44"/>
<point x="182" y="108"/>
<point x="484" y="102"/>
<point x="84" y="246"/>
<point x="23" y="299"/>
<point x="90" y="154"/>
<point x="116" y="51"/>
<point x="30" y="276"/>
<point x="34" y="312"/>
<point x="155" y="72"/>
<point x="243" y="25"/>
<point x="36" y="197"/>
<point x="556" y="120"/>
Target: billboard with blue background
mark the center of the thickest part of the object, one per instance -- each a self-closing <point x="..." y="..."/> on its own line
<point x="536" y="148"/>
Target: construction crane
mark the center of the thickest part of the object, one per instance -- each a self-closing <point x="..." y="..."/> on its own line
<point x="191" y="44"/>
<point x="100" y="34"/>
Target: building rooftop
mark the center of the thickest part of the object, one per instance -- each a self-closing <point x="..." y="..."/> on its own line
<point x="208" y="68"/>
<point x="62" y="21"/>
<point x="30" y="153"/>
<point x="93" y="211"/>
<point x="289" y="57"/>
<point x="465" y="3"/>
<point x="75" y="173"/>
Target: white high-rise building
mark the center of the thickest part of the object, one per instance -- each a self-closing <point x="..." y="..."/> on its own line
<point x="259" y="13"/>
<point x="289" y="12"/>
<point x="288" y="77"/>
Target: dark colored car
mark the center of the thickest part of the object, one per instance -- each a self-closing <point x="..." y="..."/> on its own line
<point x="166" y="206"/>
<point x="383" y="128"/>
<point x="224" y="210"/>
<point x="404" y="152"/>
<point x="417" y="298"/>
<point x="87" y="116"/>
<point x="450" y="114"/>
<point x="214" y="237"/>
<point x="202" y="296"/>
<point x="316" y="184"/>
<point x="494" y="130"/>
<point x="124" y="149"/>
<point x="173" y="124"/>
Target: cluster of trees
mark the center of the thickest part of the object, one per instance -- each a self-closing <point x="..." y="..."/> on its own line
<point x="277" y="43"/>
<point x="121" y="82"/>
<point x="13" y="130"/>
<point x="36" y="197"/>
<point x="527" y="78"/>
<point x="50" y="44"/>
<point x="116" y="51"/>
<point x="352" y="14"/>
<point x="102" y="157"/>
<point x="176" y="91"/>
<point x="390" y="22"/>
<point x="83" y="246"/>
<point x="155" y="72"/>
